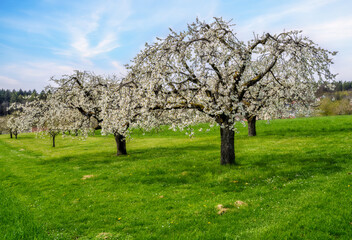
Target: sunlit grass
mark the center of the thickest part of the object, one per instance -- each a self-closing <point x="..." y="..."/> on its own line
<point x="295" y="177"/>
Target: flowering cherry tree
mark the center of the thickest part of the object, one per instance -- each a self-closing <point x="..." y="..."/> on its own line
<point x="51" y="117"/>
<point x="208" y="69"/>
<point x="15" y="122"/>
<point x="114" y="103"/>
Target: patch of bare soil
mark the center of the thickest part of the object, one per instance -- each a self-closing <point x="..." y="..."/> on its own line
<point x="87" y="176"/>
<point x="221" y="209"/>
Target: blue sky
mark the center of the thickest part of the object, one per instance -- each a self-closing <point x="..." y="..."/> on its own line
<point x="44" y="38"/>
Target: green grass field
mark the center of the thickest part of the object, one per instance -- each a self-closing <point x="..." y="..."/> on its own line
<point x="295" y="179"/>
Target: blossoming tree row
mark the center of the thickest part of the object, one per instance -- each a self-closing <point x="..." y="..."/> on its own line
<point x="204" y="73"/>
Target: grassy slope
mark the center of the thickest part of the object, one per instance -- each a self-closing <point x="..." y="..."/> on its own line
<point x="294" y="176"/>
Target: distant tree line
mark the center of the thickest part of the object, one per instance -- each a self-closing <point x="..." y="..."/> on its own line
<point x="337" y="101"/>
<point x="343" y="86"/>
<point x="17" y="96"/>
<point x="339" y="86"/>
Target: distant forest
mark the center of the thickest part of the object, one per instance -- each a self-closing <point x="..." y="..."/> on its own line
<point x="343" y="86"/>
<point x="21" y="96"/>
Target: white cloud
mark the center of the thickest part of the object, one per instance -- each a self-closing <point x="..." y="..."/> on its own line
<point x="9" y="83"/>
<point x="36" y="75"/>
<point x="31" y="75"/>
<point x="285" y="16"/>
<point x="332" y="31"/>
<point x="91" y="29"/>
<point x="97" y="31"/>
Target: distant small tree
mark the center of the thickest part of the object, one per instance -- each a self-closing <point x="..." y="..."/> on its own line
<point x="15" y="122"/>
<point x="279" y="99"/>
<point x="50" y="117"/>
<point x="208" y="69"/>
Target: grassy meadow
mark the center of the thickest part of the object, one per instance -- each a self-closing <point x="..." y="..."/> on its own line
<point x="292" y="181"/>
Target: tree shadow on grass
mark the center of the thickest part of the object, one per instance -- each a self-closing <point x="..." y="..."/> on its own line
<point x="290" y="166"/>
<point x="187" y="165"/>
<point x="164" y="166"/>
<point x="134" y="155"/>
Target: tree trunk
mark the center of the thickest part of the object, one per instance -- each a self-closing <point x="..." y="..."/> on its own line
<point x="251" y="126"/>
<point x="227" y="146"/>
<point x="120" y="144"/>
<point x="15" y="133"/>
<point x="53" y="139"/>
<point x="11" y="133"/>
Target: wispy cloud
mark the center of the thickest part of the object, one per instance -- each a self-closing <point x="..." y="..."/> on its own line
<point x="290" y="15"/>
<point x="78" y="37"/>
<point x="332" y="31"/>
<point x="31" y="75"/>
<point x="9" y="83"/>
<point x="91" y="32"/>
<point x="36" y="75"/>
<point x="97" y="31"/>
